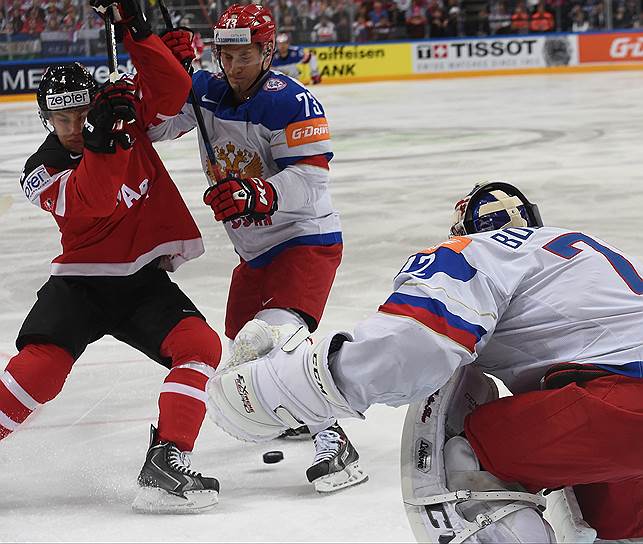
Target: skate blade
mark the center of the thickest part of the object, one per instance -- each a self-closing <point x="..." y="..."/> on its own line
<point x="350" y="476"/>
<point x="152" y="500"/>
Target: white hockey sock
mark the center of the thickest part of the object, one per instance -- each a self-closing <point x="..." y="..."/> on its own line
<point x="280" y="316"/>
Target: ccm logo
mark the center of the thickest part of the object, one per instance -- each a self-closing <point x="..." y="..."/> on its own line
<point x="73" y="99"/>
<point x="306" y="132"/>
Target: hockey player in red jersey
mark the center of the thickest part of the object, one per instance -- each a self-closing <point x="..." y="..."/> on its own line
<point x="554" y="313"/>
<point x="123" y="227"/>
<point x="271" y="144"/>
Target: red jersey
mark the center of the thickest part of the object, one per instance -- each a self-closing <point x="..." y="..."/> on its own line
<point x="118" y="212"/>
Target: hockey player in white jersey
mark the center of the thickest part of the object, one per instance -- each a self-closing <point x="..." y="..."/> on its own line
<point x="554" y="313"/>
<point x="272" y="145"/>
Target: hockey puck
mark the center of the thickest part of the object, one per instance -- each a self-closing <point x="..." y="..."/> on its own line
<point x="271" y="457"/>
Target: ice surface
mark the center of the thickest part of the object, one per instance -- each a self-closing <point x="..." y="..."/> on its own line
<point x="404" y="152"/>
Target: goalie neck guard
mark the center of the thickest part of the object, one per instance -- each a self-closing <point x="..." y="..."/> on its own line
<point x="491" y="206"/>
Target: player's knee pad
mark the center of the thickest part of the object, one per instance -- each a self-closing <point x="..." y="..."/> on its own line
<point x="192" y="340"/>
<point x="289" y="387"/>
<point x="446" y="495"/>
<point x="41" y="370"/>
<point x="32" y="377"/>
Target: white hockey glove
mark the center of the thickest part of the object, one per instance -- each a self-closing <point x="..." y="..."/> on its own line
<point x="291" y="386"/>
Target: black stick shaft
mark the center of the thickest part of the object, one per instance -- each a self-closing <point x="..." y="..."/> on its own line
<point x="110" y="38"/>
<point x="112" y="59"/>
<point x="198" y="114"/>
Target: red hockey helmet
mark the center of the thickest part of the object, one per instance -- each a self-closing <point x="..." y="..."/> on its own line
<point x="240" y="25"/>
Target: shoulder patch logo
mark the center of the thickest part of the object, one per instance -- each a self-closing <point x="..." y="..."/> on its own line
<point x="455" y="244"/>
<point x="36" y="182"/>
<point x="307" y="131"/>
<point x="274" y="84"/>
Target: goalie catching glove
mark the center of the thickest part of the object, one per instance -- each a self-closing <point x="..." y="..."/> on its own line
<point x="113" y="104"/>
<point x="291" y="386"/>
<point x="233" y="198"/>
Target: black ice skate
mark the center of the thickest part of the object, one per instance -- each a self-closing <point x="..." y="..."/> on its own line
<point x="168" y="486"/>
<point x="336" y="463"/>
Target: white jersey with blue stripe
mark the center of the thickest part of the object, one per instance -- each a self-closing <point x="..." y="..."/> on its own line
<point x="514" y="301"/>
<point x="281" y="134"/>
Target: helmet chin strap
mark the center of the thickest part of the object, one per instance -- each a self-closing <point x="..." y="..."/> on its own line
<point x="49" y="127"/>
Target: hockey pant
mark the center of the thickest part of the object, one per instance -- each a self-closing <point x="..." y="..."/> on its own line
<point x="299" y="278"/>
<point x="586" y="434"/>
<point x="38" y="372"/>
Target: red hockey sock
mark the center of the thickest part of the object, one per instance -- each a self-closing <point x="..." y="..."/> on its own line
<point x="195" y="350"/>
<point x="32" y="377"/>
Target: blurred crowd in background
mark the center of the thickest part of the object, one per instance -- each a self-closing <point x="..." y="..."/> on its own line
<point x="327" y="21"/>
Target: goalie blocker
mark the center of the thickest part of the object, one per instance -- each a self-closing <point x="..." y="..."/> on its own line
<point x="287" y="399"/>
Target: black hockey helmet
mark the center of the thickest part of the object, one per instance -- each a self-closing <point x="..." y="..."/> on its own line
<point x="65" y="87"/>
<point x="494" y="205"/>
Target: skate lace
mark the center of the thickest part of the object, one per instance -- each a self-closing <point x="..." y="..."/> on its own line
<point x="327" y="444"/>
<point x="180" y="461"/>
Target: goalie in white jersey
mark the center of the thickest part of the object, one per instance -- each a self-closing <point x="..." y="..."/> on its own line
<point x="555" y="314"/>
<point x="271" y="146"/>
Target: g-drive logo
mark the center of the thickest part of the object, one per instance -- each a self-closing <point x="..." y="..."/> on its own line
<point x="73" y="99"/>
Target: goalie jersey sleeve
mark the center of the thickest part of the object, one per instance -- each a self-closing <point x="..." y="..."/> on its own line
<point x="515" y="302"/>
<point x="440" y="315"/>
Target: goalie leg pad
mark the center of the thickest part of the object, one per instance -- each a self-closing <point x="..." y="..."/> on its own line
<point x="291" y="386"/>
<point x="565" y="516"/>
<point x="446" y="496"/>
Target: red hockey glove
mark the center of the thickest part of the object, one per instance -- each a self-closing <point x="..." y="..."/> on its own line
<point x="316" y="78"/>
<point x="179" y="41"/>
<point x="232" y="198"/>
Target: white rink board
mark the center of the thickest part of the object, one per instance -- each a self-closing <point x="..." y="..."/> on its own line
<point x="405" y="152"/>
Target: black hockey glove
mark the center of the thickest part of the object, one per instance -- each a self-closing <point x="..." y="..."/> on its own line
<point x="127" y="13"/>
<point x="113" y="105"/>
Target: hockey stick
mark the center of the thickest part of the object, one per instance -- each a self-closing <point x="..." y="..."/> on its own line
<point x="213" y="171"/>
<point x="110" y="45"/>
<point x="110" y="39"/>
